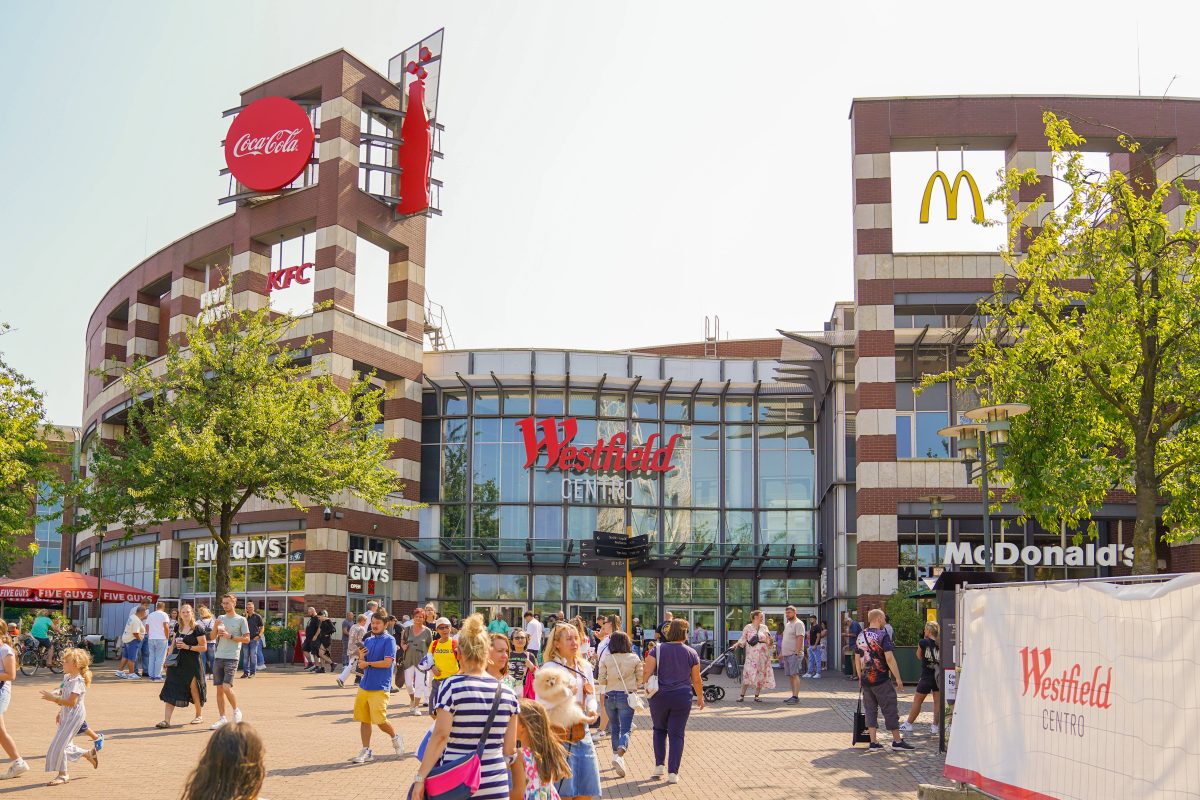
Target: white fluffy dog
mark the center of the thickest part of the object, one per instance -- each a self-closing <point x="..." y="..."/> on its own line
<point x="555" y="689"/>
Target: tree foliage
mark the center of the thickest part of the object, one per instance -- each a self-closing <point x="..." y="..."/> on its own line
<point x="1097" y="328"/>
<point x="25" y="462"/>
<point x="237" y="414"/>
<point x="903" y="615"/>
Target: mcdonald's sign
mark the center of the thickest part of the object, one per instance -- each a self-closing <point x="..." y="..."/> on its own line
<point x="950" y="190"/>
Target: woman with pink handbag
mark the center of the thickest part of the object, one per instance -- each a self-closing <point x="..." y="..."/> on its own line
<point x="466" y="757"/>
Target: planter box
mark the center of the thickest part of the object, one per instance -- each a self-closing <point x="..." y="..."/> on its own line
<point x="909" y="663"/>
<point x="275" y="655"/>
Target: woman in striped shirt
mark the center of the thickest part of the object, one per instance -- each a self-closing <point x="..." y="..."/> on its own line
<point x="467" y="700"/>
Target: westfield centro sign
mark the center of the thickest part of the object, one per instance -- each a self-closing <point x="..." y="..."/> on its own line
<point x="584" y="466"/>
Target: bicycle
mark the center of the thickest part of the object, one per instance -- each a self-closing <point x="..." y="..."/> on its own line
<point x="32" y="656"/>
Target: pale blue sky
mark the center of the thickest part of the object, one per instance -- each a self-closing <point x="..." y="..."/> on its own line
<point x="614" y="171"/>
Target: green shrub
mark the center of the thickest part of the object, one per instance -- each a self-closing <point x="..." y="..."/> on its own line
<point x="277" y="636"/>
<point x="903" y="615"/>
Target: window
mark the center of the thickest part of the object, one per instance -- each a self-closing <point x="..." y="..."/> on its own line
<point x="47" y="535"/>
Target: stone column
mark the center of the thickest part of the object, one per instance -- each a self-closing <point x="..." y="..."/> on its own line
<point x="1039" y="160"/>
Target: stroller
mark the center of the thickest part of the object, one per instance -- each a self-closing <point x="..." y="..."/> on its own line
<point x="733" y="669"/>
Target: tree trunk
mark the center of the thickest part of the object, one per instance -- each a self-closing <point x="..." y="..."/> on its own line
<point x="1145" y="527"/>
<point x="221" y="579"/>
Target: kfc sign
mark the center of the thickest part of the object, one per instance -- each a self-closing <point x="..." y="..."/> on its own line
<point x="269" y="144"/>
<point x="603" y="456"/>
<point x="282" y="278"/>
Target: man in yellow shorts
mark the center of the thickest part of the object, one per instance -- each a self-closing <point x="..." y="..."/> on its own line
<point x="376" y="656"/>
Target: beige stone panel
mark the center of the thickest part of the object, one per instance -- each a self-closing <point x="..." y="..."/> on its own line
<point x="404" y="592"/>
<point x="406" y="309"/>
<point x="337" y="236"/>
<point x="872" y="215"/>
<point x="325" y="583"/>
<point x="116" y="336"/>
<point x="875" y="318"/>
<point x="327" y="539"/>
<point x="337" y="148"/>
<point x="864" y="165"/>
<point x="141" y="347"/>
<point x="877" y="528"/>
<point x="1026" y="159"/>
<point x="864" y="267"/>
<point x="333" y="278"/>
<point x="867" y="476"/>
<point x="884" y="266"/>
<point x="883" y="215"/>
<point x="887" y="474"/>
<point x="408" y="469"/>
<point x="341" y="107"/>
<point x="889" y="581"/>
<point x="143" y="312"/>
<point x="875" y="369"/>
<point x="406" y="271"/>
<point x="868" y="580"/>
<point x="250" y="301"/>
<point x="875" y="422"/>
<point x="186" y="287"/>
<point x="168" y="587"/>
<point x="170" y="548"/>
<point x="334" y="364"/>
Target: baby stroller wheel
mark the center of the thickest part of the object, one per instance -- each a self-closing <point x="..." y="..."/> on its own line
<point x="713" y="693"/>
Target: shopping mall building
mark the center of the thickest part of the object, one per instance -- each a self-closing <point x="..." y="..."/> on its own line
<point x="786" y="470"/>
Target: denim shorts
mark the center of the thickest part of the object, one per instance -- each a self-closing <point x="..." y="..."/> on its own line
<point x="585" y="770"/>
<point x="5" y="698"/>
<point x="129" y="651"/>
<point x="223" y="669"/>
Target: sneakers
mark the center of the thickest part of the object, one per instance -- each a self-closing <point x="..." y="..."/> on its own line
<point x="600" y="734"/>
<point x="659" y="771"/>
<point x="363" y="757"/>
<point x="806" y="675"/>
<point x="873" y="747"/>
<point x="816" y="674"/>
<point x="906" y="726"/>
<point x="673" y="777"/>
<point x="237" y="715"/>
<point x="18" y="767"/>
<point x="398" y="744"/>
<point x="341" y="683"/>
<point x="902" y="745"/>
<point x="416" y="711"/>
<point x="99" y="744"/>
<point x="792" y="700"/>
<point x="618" y="765"/>
<point x="120" y="673"/>
<point x="131" y="676"/>
<point x="220" y="721"/>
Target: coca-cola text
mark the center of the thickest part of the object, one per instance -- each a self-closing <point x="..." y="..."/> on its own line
<point x="281" y="141"/>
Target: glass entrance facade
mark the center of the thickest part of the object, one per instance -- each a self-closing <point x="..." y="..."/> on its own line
<point x="738" y="507"/>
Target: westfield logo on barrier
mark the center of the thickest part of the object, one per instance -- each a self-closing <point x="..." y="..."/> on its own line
<point x="950" y="191"/>
<point x="269" y="143"/>
<point x="1040" y="680"/>
<point x="604" y="456"/>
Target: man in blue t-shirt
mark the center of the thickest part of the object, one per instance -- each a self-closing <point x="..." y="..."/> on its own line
<point x="377" y="657"/>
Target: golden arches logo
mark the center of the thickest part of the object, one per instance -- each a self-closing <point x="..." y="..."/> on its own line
<point x="950" y="190"/>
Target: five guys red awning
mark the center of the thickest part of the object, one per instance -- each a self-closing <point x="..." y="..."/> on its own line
<point x="66" y="586"/>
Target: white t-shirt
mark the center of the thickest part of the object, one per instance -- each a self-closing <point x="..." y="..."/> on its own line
<point x="155" y="622"/>
<point x="134" y="625"/>
<point x="535" y="629"/>
<point x="5" y="652"/>
<point x="791" y="630"/>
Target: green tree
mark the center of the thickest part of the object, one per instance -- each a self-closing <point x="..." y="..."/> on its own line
<point x="236" y="414"/>
<point x="903" y="615"/>
<point x="1097" y="328"/>
<point x="25" y="461"/>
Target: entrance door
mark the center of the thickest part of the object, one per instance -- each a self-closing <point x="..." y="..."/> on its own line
<point x="590" y="612"/>
<point x="514" y="615"/>
<point x="702" y="630"/>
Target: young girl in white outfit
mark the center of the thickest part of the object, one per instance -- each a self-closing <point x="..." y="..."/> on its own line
<point x="71" y="714"/>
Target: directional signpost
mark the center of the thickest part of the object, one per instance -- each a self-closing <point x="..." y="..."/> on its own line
<point x="612" y="551"/>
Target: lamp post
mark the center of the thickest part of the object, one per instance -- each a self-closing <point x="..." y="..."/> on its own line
<point x="936" y="508"/>
<point x="987" y="431"/>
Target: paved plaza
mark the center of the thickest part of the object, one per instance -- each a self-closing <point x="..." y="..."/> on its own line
<point x="763" y="750"/>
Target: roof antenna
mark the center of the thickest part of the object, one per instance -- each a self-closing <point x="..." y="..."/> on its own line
<point x="1138" y="36"/>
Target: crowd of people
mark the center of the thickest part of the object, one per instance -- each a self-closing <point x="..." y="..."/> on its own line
<point x="532" y="702"/>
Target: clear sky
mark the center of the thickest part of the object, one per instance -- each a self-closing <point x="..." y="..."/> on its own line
<point x="614" y="171"/>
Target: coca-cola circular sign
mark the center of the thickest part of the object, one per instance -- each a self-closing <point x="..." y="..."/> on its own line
<point x="269" y="144"/>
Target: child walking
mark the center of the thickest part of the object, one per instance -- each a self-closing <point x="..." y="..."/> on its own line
<point x="542" y="762"/>
<point x="71" y="714"/>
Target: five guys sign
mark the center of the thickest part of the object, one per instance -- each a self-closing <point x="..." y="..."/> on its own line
<point x="269" y="144"/>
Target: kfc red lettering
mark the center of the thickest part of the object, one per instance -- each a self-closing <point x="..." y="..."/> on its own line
<point x="606" y="456"/>
<point x="282" y="278"/>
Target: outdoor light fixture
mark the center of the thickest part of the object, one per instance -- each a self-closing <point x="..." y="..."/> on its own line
<point x="936" y="507"/>
<point x="987" y="431"/>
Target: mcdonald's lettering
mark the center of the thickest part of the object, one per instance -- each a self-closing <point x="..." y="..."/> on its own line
<point x="950" y="190"/>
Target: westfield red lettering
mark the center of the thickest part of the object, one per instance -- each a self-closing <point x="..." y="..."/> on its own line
<point x="282" y="278"/>
<point x="1040" y="681"/>
<point x="604" y="456"/>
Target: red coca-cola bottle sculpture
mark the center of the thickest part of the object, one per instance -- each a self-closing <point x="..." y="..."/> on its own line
<point x="415" y="152"/>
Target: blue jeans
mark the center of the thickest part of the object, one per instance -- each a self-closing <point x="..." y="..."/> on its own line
<point x="249" y="657"/>
<point x="816" y="653"/>
<point x="158" y="654"/>
<point x="620" y="718"/>
<point x="209" y="657"/>
<point x="669" y="712"/>
<point x="258" y="652"/>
